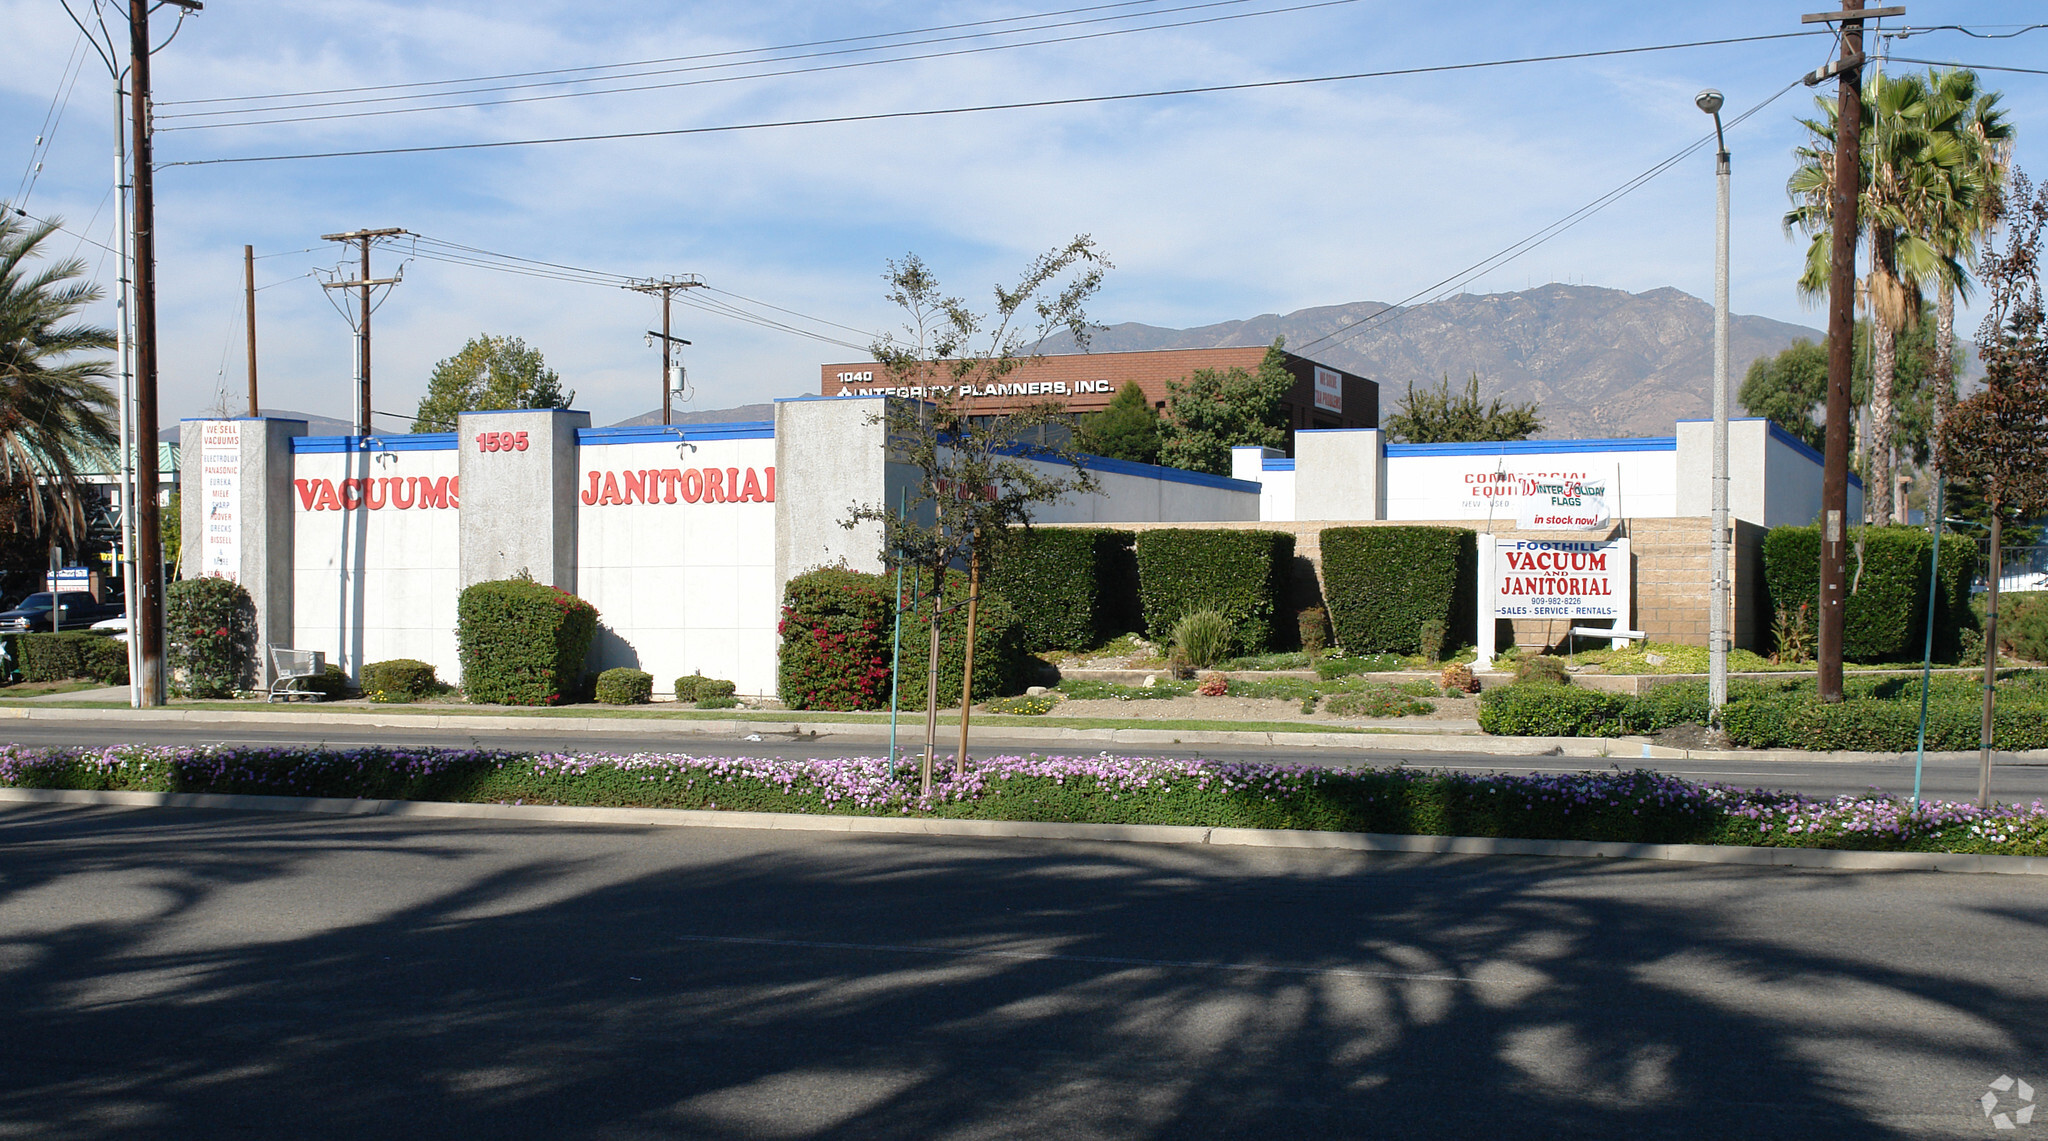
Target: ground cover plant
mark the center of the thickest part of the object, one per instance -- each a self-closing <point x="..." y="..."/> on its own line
<point x="1631" y="807"/>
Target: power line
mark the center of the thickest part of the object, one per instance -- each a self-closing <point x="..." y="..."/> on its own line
<point x="60" y="227"/>
<point x="1970" y="66"/>
<point x="651" y="62"/>
<point x="1504" y="256"/>
<point x="727" y="78"/>
<point x="1071" y="101"/>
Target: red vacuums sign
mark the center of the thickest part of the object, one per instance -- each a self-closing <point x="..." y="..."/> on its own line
<point x="411" y="492"/>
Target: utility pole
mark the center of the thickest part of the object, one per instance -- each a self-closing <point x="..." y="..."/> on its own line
<point x="146" y="605"/>
<point x="363" y="285"/>
<point x="249" y="303"/>
<point x="1710" y="101"/>
<point x="1843" y="199"/>
<point x="666" y="287"/>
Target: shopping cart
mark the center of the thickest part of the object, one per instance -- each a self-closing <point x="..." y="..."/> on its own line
<point x="292" y="667"/>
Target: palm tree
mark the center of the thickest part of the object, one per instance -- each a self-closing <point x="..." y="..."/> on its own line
<point x="1908" y="165"/>
<point x="56" y="415"/>
<point x="1974" y="117"/>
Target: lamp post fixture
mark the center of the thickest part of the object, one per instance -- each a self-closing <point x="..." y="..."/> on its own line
<point x="1710" y="101"/>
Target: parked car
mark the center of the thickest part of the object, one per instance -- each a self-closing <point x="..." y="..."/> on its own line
<point x="115" y="628"/>
<point x="76" y="610"/>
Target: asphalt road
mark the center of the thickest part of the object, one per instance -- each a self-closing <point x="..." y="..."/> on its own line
<point x="1953" y="780"/>
<point x="181" y="974"/>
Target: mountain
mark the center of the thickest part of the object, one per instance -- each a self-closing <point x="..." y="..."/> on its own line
<point x="316" y="425"/>
<point x="1600" y="362"/>
<point x="722" y="416"/>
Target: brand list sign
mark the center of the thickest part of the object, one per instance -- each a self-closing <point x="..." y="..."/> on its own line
<point x="220" y="472"/>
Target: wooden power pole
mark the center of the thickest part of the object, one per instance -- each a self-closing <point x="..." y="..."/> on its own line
<point x="146" y="603"/>
<point x="363" y="285"/>
<point x="1843" y="198"/>
<point x="666" y="287"/>
<point x="249" y="304"/>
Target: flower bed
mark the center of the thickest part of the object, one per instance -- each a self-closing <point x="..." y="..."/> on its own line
<point x="1634" y="807"/>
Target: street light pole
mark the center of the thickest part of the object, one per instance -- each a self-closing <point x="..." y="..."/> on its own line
<point x="1717" y="624"/>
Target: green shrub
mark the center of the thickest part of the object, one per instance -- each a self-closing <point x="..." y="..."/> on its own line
<point x="1541" y="669"/>
<point x="522" y="642"/>
<point x="1554" y="711"/>
<point x="400" y="679"/>
<point x="106" y="661"/>
<point x="1314" y="626"/>
<point x="1072" y="588"/>
<point x="1374" y="701"/>
<point x="1383" y="583"/>
<point x="835" y="641"/>
<point x="1000" y="663"/>
<point x="211" y="645"/>
<point x="2023" y="624"/>
<point x="719" y="702"/>
<point x="697" y="687"/>
<point x="57" y="657"/>
<point x="1201" y="639"/>
<point x="1885" y="616"/>
<point x="1240" y="574"/>
<point x="624" y="685"/>
<point x="1431" y="636"/>
<point x="330" y="683"/>
<point x="1954" y="722"/>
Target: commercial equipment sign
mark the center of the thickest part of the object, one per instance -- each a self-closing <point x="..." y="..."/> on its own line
<point x="1329" y="390"/>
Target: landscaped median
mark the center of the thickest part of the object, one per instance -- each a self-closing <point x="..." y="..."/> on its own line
<point x="1613" y="806"/>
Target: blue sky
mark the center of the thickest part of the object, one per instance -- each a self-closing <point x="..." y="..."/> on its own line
<point x="1213" y="207"/>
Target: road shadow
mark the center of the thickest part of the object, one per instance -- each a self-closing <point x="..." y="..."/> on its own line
<point x="188" y="974"/>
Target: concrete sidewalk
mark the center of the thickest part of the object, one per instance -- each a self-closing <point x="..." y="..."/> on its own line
<point x="1442" y="737"/>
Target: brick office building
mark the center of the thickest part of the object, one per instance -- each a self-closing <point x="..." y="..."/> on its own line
<point x="1322" y="397"/>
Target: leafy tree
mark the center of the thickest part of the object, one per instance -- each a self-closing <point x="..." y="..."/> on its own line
<point x="1214" y="411"/>
<point x="977" y="474"/>
<point x="1997" y="440"/>
<point x="490" y="373"/>
<point x="1129" y="429"/>
<point x="1791" y="390"/>
<point x="56" y="414"/>
<point x="1439" y="416"/>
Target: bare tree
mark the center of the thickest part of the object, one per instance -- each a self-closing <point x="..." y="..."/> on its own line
<point x="979" y="472"/>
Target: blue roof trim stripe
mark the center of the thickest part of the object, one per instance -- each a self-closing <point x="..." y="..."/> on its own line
<point x="671" y="433"/>
<point x="413" y="442"/>
<point x="1537" y="447"/>
<point x="1276" y="465"/>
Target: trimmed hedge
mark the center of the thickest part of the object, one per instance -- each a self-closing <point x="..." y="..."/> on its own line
<point x="57" y="657"/>
<point x="522" y="642"/>
<point x="835" y="641"/>
<point x="1072" y="588"/>
<point x="1885" y="617"/>
<point x="1240" y="574"/>
<point x="400" y="679"/>
<point x="697" y="687"/>
<point x="1000" y="659"/>
<point x="211" y="623"/>
<point x="1382" y="583"/>
<point x="2023" y="624"/>
<point x="1546" y="709"/>
<point x="624" y="685"/>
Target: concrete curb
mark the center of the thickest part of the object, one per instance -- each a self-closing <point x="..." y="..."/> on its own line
<point x="1815" y="858"/>
<point x="1612" y="750"/>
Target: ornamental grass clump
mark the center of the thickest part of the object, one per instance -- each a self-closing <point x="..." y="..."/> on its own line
<point x="1616" y="806"/>
<point x="1201" y="639"/>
